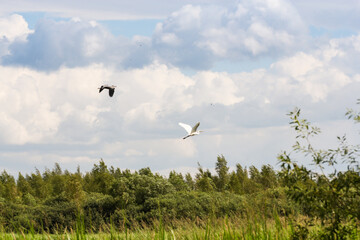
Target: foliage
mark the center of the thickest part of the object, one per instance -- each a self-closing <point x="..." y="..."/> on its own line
<point x="333" y="198"/>
<point x="54" y="200"/>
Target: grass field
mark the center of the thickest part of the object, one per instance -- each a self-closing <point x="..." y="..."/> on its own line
<point x="228" y="228"/>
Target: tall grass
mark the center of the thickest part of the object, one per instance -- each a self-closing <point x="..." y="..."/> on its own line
<point x="228" y="228"/>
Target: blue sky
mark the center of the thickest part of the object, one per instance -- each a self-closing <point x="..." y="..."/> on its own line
<point x="236" y="66"/>
<point x="127" y="28"/>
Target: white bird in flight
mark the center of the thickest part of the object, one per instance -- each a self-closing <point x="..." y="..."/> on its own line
<point x="192" y="131"/>
<point x="111" y="89"/>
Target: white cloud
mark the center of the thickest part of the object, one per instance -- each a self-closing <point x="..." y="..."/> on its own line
<point x="316" y="73"/>
<point x="93" y="45"/>
<point x="194" y="36"/>
<point x="247" y="30"/>
<point x="46" y="106"/>
<point x="133" y="153"/>
<point x="170" y="39"/>
<point x="342" y="53"/>
<point x="334" y="15"/>
<point x="150" y="101"/>
<point x="211" y="87"/>
<point x="186" y="19"/>
<point x="298" y="65"/>
<point x="40" y="103"/>
<point x="14" y="27"/>
<point x="65" y="43"/>
<point x="25" y="115"/>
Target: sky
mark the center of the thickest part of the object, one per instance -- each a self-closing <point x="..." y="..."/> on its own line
<point x="237" y="67"/>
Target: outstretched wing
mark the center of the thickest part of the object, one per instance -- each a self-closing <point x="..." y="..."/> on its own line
<point x="195" y="127"/>
<point x="111" y="91"/>
<point x="187" y="127"/>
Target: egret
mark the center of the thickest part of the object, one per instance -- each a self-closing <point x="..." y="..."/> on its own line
<point x="111" y="89"/>
<point x="192" y="131"/>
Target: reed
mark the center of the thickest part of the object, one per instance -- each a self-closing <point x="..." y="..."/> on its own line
<point x="228" y="228"/>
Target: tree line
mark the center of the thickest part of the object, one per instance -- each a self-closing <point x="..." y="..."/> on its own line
<point x="55" y="199"/>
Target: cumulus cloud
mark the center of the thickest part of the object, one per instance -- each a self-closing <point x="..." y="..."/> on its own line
<point x="343" y="53"/>
<point x="41" y="104"/>
<point x="73" y="43"/>
<point x="195" y="36"/>
<point x="210" y="87"/>
<point x="315" y="77"/>
<point x="27" y="115"/>
<point x="12" y="27"/>
<point x="49" y="106"/>
<point x="150" y="101"/>
<point x="55" y="44"/>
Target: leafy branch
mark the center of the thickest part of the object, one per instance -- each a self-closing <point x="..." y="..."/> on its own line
<point x="330" y="198"/>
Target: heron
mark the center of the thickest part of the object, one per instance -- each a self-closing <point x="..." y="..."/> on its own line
<point x="192" y="131"/>
<point x="111" y="89"/>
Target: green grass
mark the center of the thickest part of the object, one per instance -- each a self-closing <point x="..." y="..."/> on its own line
<point x="228" y="228"/>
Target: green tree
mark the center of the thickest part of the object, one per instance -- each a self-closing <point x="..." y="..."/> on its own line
<point x="146" y="171"/>
<point x="9" y="186"/>
<point x="222" y="170"/>
<point x="2" y="189"/>
<point x="99" y="180"/>
<point x="332" y="197"/>
<point x="242" y="175"/>
<point x="23" y="185"/>
<point x="177" y="180"/>
<point x="38" y="185"/>
<point x="235" y="185"/>
<point x="148" y="186"/>
<point x="57" y="180"/>
<point x="122" y="192"/>
<point x="189" y="181"/>
<point x="254" y="184"/>
<point x="268" y="178"/>
<point x="204" y="181"/>
<point x="74" y="189"/>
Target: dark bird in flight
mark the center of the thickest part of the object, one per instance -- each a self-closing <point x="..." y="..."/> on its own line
<point x="111" y="89"/>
